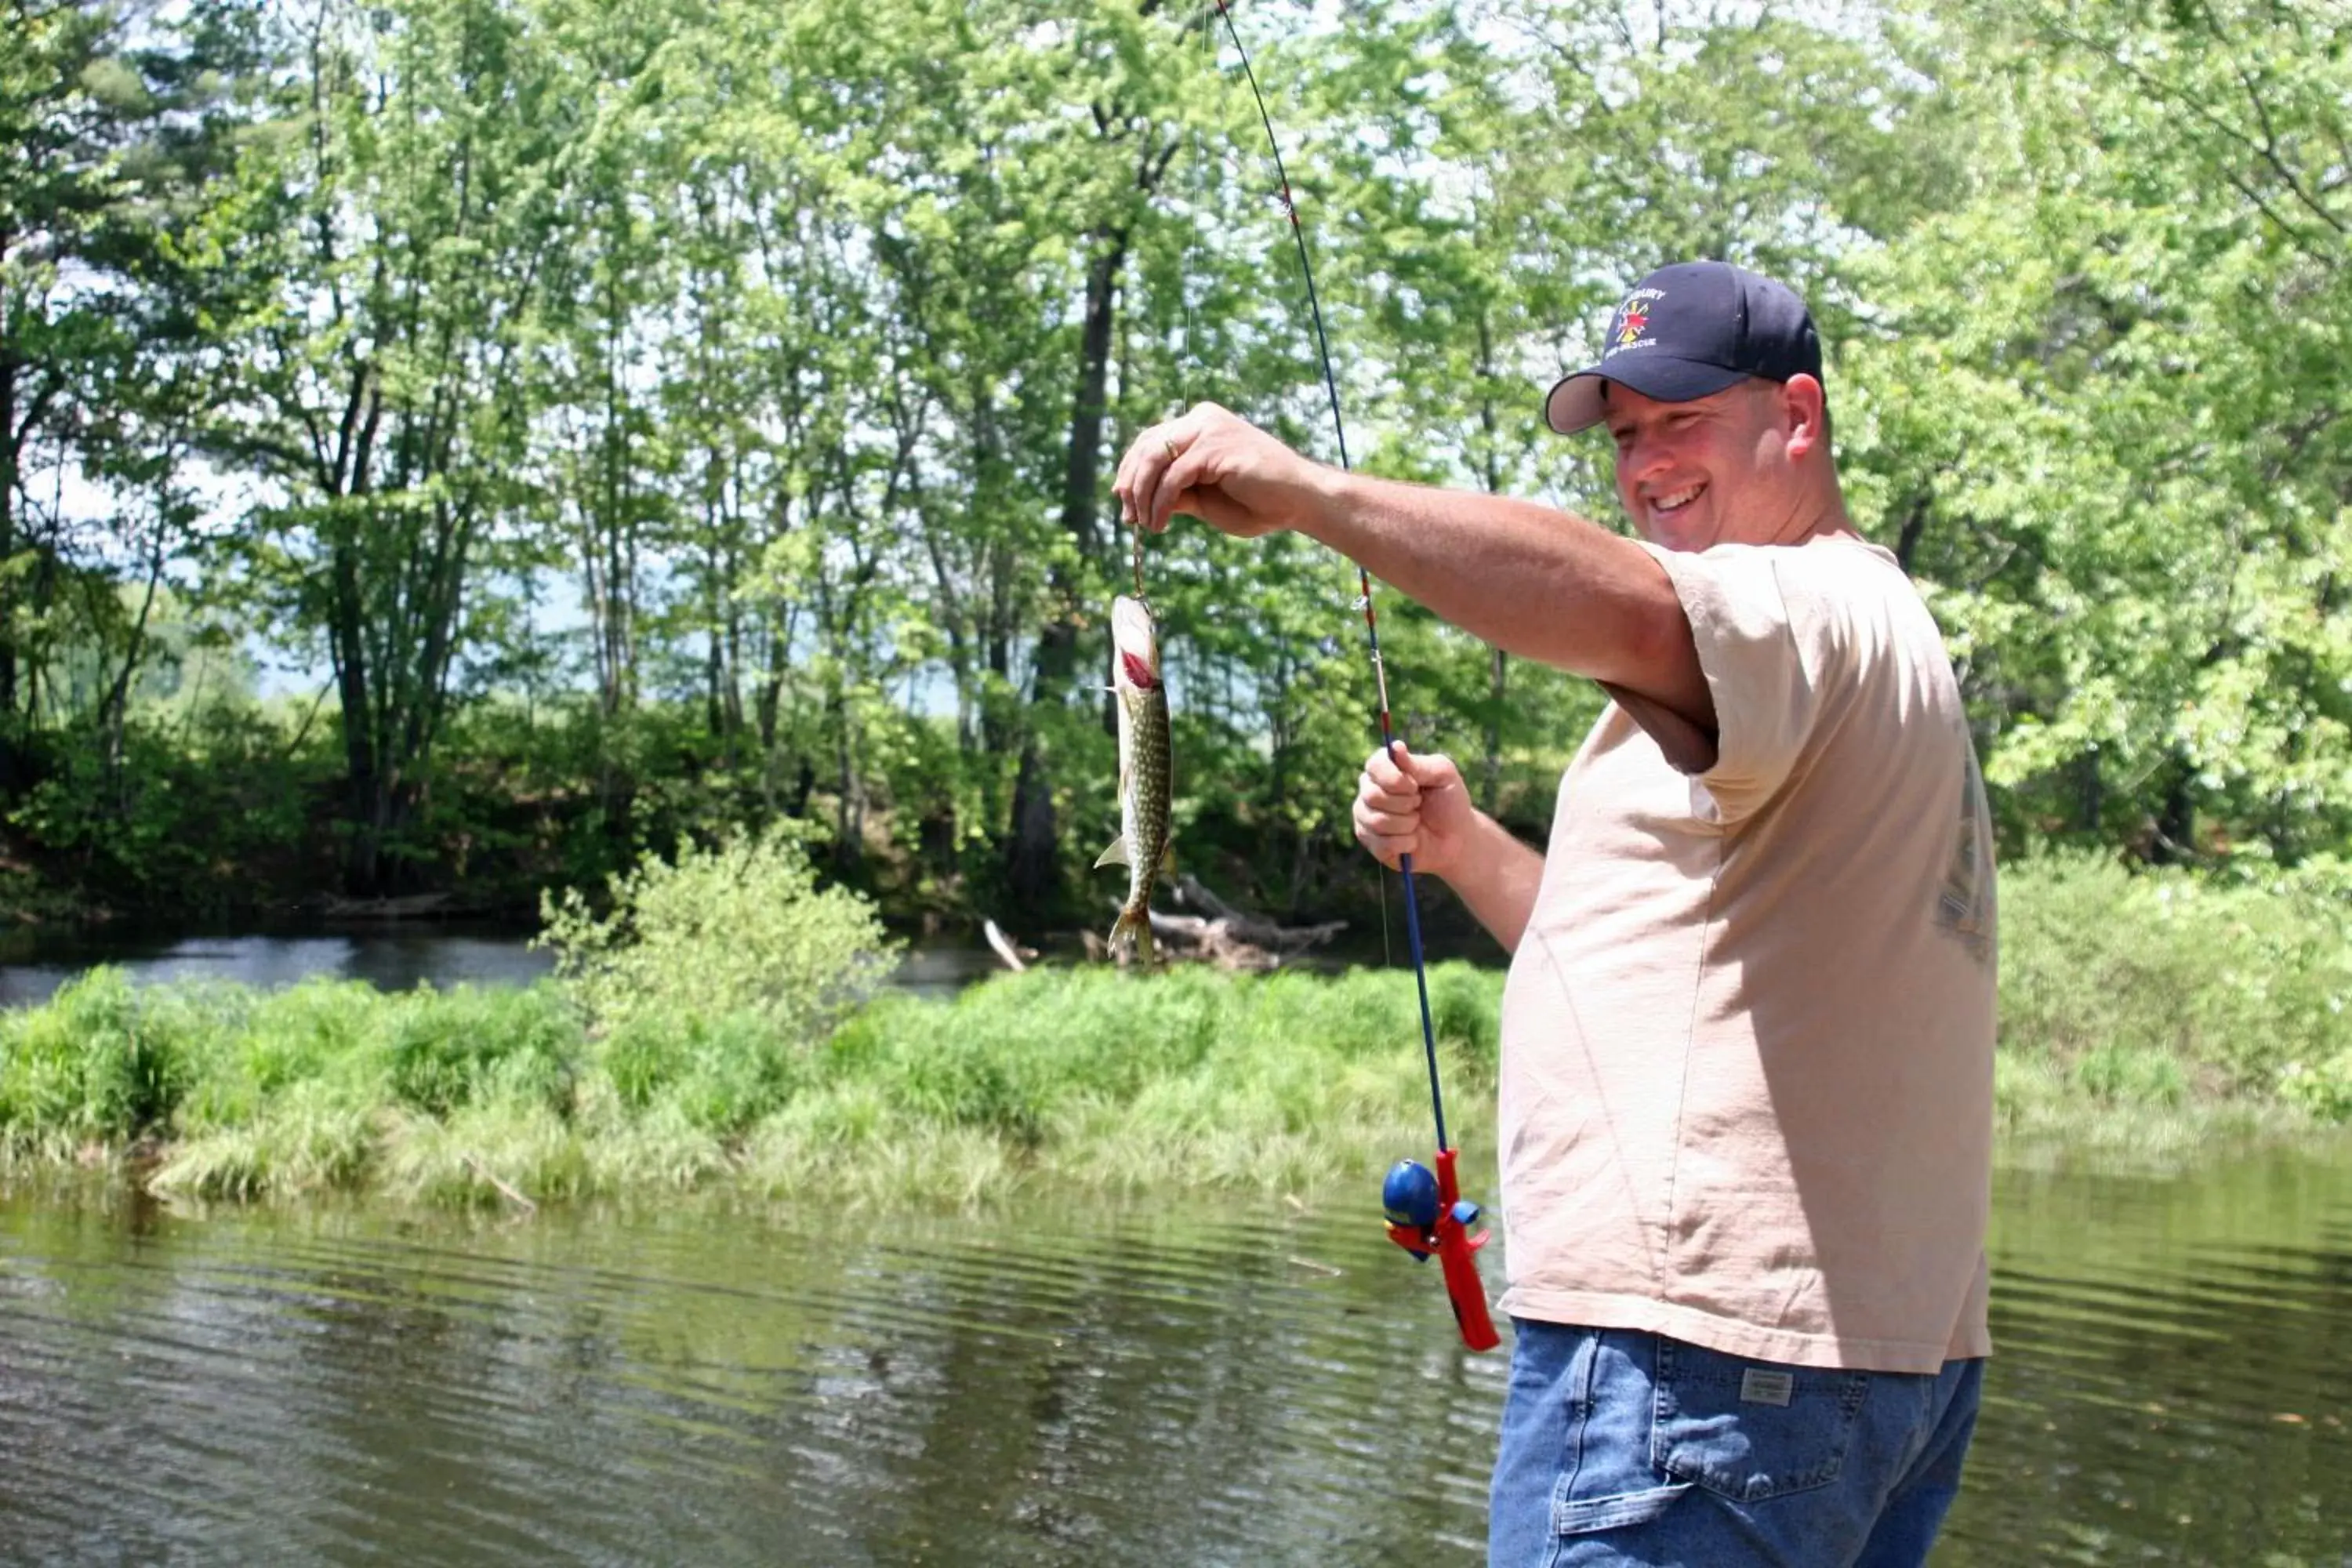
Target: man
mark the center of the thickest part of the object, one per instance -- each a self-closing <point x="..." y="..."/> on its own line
<point x="1745" y="1117"/>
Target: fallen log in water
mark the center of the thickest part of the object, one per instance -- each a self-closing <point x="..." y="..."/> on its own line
<point x="1014" y="957"/>
<point x="1253" y="929"/>
<point x="414" y="906"/>
<point x="1230" y="938"/>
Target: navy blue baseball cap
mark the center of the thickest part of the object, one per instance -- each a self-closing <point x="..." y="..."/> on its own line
<point x="1687" y="331"/>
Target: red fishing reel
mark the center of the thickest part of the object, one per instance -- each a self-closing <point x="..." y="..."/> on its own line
<point x="1427" y="1214"/>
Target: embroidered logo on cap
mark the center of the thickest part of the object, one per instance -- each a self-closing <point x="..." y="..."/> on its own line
<point x="1632" y="321"/>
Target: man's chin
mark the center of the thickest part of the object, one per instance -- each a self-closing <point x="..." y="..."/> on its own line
<point x="1683" y="531"/>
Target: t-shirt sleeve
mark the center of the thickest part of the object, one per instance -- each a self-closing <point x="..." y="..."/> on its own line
<point x="1768" y="647"/>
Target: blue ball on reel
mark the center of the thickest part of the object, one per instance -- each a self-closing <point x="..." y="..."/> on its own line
<point x="1410" y="1195"/>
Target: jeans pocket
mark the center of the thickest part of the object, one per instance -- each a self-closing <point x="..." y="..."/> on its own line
<point x="1599" y="1470"/>
<point x="1752" y="1430"/>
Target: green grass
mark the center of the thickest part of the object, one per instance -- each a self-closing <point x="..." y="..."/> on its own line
<point x="2146" y="1021"/>
<point x="1092" y="1079"/>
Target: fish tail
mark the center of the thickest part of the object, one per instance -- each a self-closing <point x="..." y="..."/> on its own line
<point x="1131" y="934"/>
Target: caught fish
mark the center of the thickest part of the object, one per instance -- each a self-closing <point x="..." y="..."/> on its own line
<point x="1144" y="777"/>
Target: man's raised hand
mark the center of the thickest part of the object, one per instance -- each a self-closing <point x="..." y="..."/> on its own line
<point x="1214" y="464"/>
<point x="1416" y="806"/>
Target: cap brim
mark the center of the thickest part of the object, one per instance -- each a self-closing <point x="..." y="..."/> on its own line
<point x="1576" y="403"/>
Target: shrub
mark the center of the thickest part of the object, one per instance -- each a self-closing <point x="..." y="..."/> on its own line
<point x="2235" y="984"/>
<point x="2128" y="1075"/>
<point x="178" y="808"/>
<point x="2324" y="1090"/>
<point x="101" y="1061"/>
<point x="738" y="927"/>
<point x="716" y="1076"/>
<point x="450" y="1049"/>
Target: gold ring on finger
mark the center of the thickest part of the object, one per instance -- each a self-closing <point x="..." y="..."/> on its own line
<point x="1174" y="451"/>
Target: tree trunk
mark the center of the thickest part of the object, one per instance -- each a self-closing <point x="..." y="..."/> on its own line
<point x="2175" y="822"/>
<point x="1915" y="529"/>
<point x="354" y="687"/>
<point x="714" y="665"/>
<point x="849" y="811"/>
<point x="11" y="446"/>
<point x="1031" y="878"/>
<point x="1033" y="865"/>
<point x="2092" y="790"/>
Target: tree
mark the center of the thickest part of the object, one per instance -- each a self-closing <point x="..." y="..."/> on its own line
<point x="390" y="245"/>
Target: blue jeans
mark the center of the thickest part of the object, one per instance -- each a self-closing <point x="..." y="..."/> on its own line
<point x="1622" y="1447"/>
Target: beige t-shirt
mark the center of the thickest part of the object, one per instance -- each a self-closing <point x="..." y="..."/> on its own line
<point x="1747" y="1040"/>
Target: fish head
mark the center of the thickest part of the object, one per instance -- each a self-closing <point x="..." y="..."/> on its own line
<point x="1135" y="646"/>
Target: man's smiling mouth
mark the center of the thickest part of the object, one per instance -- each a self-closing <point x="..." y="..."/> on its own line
<point x="1676" y="500"/>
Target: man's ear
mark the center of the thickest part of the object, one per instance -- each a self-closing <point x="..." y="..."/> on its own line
<point x="1806" y="407"/>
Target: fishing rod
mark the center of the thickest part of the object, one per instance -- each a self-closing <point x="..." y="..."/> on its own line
<point x="1426" y="1212"/>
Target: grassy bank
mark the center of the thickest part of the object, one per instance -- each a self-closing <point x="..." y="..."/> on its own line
<point x="2149" y="1019"/>
<point x="2145" y="1020"/>
<point x="1085" y="1079"/>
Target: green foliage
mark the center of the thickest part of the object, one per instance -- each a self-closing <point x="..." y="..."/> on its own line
<point x="175" y="810"/>
<point x="792" y="352"/>
<point x="2236" y="983"/>
<point x="1119" y="1082"/>
<point x="738" y="927"/>
<point x="102" y="1062"/>
<point x="1100" y="1078"/>
<point x="2145" y="1016"/>
<point x="2131" y="1075"/>
<point x="1467" y="1012"/>
<point x="716" y="1075"/>
<point x="311" y="1140"/>
<point x="469" y="1046"/>
<point x="2323" y="1089"/>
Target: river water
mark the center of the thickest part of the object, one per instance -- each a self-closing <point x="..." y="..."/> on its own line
<point x="1245" y="1385"/>
<point x="391" y="957"/>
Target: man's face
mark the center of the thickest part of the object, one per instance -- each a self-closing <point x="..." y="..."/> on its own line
<point x="1715" y="471"/>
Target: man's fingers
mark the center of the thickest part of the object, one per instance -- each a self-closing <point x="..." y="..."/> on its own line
<point x="1159" y="502"/>
<point x="1139" y="479"/>
<point x="1187" y="469"/>
<point x="1388" y="848"/>
<point x="1383" y="772"/>
<point x="1400" y="799"/>
<point x="1123" y="486"/>
<point x="1385" y="831"/>
<point x="1432" y="770"/>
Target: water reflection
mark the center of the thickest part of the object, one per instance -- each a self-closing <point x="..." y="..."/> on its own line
<point x="2174" y="1372"/>
<point x="1076" y="1391"/>
<point x="1062" y="1386"/>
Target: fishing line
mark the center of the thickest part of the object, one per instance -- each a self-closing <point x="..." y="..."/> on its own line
<point x="1363" y="578"/>
<point x="1183" y="355"/>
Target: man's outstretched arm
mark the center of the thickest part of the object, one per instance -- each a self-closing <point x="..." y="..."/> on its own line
<point x="1535" y="581"/>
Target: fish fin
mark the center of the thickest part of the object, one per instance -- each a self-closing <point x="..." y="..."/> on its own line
<point x="1131" y="937"/>
<point x="1114" y="856"/>
<point x="1168" y="858"/>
